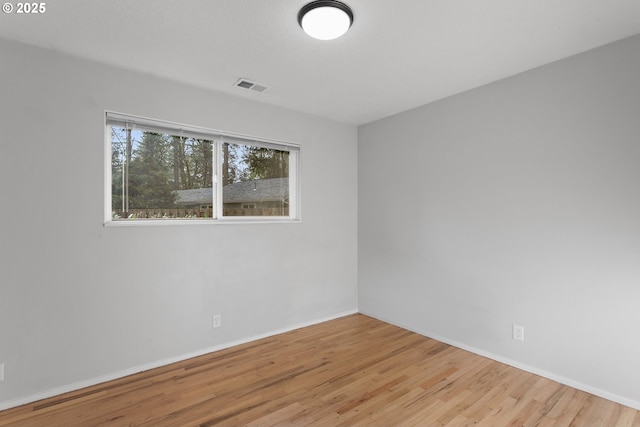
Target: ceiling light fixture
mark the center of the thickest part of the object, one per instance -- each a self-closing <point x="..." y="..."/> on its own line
<point x="325" y="19"/>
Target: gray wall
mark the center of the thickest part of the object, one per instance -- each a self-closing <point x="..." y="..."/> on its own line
<point x="517" y="202"/>
<point x="79" y="301"/>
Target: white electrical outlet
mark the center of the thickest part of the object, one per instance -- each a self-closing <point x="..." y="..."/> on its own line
<point x="1" y="371"/>
<point x="217" y="320"/>
<point x="518" y="332"/>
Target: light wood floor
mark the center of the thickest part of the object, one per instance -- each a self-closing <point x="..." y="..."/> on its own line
<point x="350" y="371"/>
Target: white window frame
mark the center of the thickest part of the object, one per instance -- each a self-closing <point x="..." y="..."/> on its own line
<point x="218" y="138"/>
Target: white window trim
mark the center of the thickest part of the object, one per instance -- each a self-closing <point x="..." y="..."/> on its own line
<point x="218" y="137"/>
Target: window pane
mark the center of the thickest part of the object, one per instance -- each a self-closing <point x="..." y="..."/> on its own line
<point x="158" y="175"/>
<point x="255" y="181"/>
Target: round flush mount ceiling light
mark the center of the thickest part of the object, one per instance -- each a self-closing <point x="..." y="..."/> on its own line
<point x="325" y="19"/>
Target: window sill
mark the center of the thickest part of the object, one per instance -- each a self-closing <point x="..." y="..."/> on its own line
<point x="179" y="222"/>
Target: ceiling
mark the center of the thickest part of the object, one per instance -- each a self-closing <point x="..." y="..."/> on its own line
<point x="397" y="55"/>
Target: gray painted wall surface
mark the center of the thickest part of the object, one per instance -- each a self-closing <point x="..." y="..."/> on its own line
<point x="513" y="203"/>
<point x="517" y="202"/>
<point x="80" y="301"/>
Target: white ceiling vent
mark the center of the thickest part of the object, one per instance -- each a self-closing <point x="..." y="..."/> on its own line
<point x="248" y="84"/>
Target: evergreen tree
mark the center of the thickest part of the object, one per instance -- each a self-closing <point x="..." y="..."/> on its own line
<point x="150" y="173"/>
<point x="265" y="163"/>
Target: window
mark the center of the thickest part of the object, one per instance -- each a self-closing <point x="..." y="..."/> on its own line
<point x="159" y="171"/>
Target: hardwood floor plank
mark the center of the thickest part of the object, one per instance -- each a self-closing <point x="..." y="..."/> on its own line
<point x="347" y="372"/>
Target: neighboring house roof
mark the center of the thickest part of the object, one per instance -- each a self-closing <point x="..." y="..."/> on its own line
<point x="196" y="196"/>
<point x="259" y="190"/>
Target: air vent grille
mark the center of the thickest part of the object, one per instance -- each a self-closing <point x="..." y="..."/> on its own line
<point x="251" y="85"/>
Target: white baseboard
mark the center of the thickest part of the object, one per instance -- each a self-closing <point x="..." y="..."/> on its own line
<point x="115" y="375"/>
<point x="532" y="369"/>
